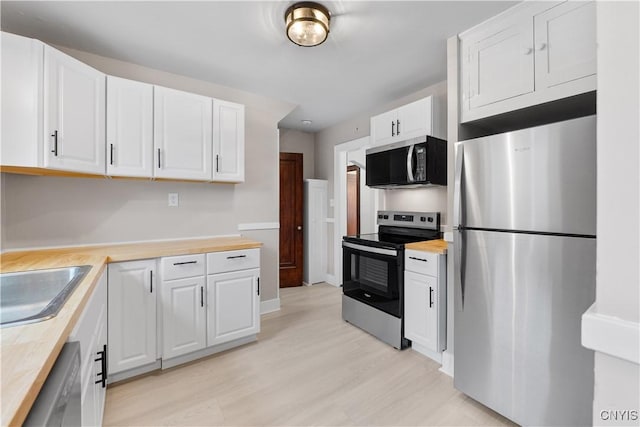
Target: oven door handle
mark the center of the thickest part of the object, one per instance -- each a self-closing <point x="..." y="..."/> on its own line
<point x="370" y="249"/>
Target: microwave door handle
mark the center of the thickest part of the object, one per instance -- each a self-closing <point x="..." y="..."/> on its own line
<point x="410" y="175"/>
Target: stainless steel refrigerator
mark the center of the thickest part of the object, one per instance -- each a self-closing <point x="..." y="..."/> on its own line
<point x="525" y="271"/>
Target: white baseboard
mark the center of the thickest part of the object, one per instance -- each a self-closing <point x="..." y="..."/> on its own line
<point x="269" y="306"/>
<point x="447" y="363"/>
<point x="611" y="335"/>
<point x="435" y="356"/>
<point x="179" y="360"/>
<point x="331" y="279"/>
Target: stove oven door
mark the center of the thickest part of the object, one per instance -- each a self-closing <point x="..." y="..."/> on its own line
<point x="373" y="275"/>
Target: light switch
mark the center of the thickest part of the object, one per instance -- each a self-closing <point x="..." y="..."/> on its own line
<point x="173" y="199"/>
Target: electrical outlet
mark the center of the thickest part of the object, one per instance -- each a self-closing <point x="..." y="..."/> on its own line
<point x="173" y="199"/>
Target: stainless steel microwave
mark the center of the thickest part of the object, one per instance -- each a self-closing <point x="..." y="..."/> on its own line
<point x="413" y="163"/>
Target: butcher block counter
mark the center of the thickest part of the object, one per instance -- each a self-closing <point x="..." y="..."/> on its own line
<point x="28" y="352"/>
<point x="435" y="246"/>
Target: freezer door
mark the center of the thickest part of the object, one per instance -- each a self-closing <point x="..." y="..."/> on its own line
<point x="539" y="179"/>
<point x="517" y="326"/>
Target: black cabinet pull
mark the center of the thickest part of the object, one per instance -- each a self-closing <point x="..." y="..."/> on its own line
<point x="151" y="281"/>
<point x="398" y="126"/>
<point x="159" y="158"/>
<point x="258" y="286"/>
<point x="418" y="259"/>
<point x="185" y="262"/>
<point x="236" y="256"/>
<point x="111" y="160"/>
<point x="393" y="128"/>
<point x="201" y="296"/>
<point x="430" y="297"/>
<point x="55" y="143"/>
<point x="103" y="366"/>
<point x="217" y="163"/>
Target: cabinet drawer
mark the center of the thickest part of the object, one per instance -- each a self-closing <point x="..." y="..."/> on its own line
<point x="180" y="267"/>
<point x="421" y="262"/>
<point x="221" y="262"/>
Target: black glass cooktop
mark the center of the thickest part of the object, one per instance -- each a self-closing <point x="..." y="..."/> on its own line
<point x="396" y="237"/>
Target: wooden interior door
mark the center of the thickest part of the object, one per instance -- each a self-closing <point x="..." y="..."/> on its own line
<point x="353" y="200"/>
<point x="291" y="256"/>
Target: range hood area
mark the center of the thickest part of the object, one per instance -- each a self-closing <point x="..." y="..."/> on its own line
<point x="417" y="162"/>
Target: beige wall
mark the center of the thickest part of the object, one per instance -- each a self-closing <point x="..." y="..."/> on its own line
<point x="295" y="141"/>
<point x="50" y="211"/>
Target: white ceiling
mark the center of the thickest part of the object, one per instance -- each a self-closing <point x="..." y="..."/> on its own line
<point x="377" y="51"/>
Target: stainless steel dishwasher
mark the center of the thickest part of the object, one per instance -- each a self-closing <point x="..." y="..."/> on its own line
<point x="59" y="401"/>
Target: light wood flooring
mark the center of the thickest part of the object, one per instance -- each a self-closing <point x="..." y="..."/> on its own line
<point x="309" y="367"/>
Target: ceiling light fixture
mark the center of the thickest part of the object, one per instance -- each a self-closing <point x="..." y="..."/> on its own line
<point x="307" y="23"/>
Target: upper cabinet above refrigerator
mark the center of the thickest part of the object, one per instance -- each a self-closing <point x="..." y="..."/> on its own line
<point x="533" y="53"/>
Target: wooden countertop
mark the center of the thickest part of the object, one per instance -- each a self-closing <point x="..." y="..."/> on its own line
<point x="28" y="352"/>
<point x="436" y="246"/>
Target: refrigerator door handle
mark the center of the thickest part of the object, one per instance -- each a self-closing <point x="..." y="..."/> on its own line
<point x="459" y="261"/>
<point x="457" y="185"/>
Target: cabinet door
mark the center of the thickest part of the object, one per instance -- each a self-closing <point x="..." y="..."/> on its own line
<point x="421" y="309"/>
<point x="22" y="67"/>
<point x="129" y="128"/>
<point x="414" y="119"/>
<point x="183" y="316"/>
<point x="74" y="114"/>
<point x="228" y="141"/>
<point x="182" y="135"/>
<point x="132" y="315"/>
<point x="565" y="43"/>
<point x="498" y="62"/>
<point x="101" y="387"/>
<point x="233" y="301"/>
<point x="383" y="128"/>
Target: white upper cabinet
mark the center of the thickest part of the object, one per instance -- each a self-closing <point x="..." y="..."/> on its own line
<point x="129" y="128"/>
<point x="415" y="119"/>
<point x="500" y="62"/>
<point x="533" y="53"/>
<point x="182" y="135"/>
<point x="74" y="114"/>
<point x="22" y="68"/>
<point x="228" y="141"/>
<point x="565" y="40"/>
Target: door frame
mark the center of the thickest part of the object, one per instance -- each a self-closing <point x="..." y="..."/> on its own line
<point x="357" y="170"/>
<point x="340" y="163"/>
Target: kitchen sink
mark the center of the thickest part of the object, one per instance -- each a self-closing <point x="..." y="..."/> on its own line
<point x="37" y="295"/>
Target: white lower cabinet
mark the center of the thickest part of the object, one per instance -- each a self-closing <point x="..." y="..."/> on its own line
<point x="425" y="302"/>
<point x="91" y="332"/>
<point x="184" y="316"/>
<point x="233" y="305"/>
<point x="132" y="315"/>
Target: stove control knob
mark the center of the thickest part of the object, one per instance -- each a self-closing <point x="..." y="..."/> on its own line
<point x="379" y="216"/>
<point x="430" y="219"/>
<point x="423" y="218"/>
<point x="386" y="217"/>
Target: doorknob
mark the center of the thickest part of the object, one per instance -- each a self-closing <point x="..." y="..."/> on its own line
<point x="299" y="227"/>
